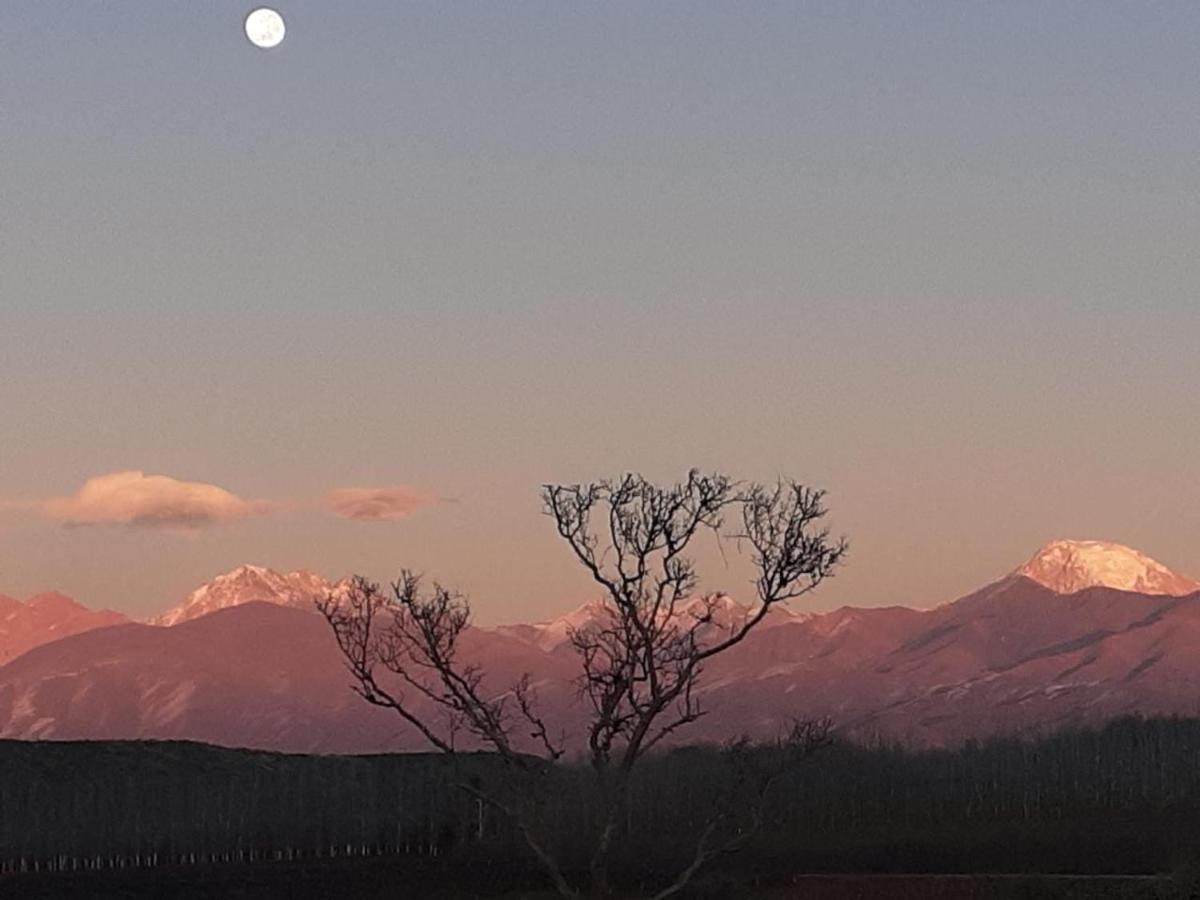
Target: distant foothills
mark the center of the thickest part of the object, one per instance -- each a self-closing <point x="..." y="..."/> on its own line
<point x="1083" y="632"/>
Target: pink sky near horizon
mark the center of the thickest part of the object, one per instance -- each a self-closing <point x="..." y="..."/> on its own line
<point x="193" y="543"/>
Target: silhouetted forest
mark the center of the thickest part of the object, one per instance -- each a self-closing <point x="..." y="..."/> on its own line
<point x="1124" y="798"/>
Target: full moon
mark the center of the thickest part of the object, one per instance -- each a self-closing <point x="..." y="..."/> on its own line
<point x="265" y="28"/>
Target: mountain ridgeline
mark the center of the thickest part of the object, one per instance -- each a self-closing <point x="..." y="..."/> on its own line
<point x="1081" y="633"/>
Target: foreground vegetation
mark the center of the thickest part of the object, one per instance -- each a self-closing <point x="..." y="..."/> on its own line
<point x="386" y="878"/>
<point x="1123" y="799"/>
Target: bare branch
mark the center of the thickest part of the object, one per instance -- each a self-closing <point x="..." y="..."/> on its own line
<point x="549" y="863"/>
<point x="527" y="704"/>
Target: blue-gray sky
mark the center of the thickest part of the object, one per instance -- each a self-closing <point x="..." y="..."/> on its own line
<point x="937" y="258"/>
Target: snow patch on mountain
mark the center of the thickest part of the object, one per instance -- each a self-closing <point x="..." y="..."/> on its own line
<point x="1068" y="566"/>
<point x="246" y="584"/>
<point x="727" y="616"/>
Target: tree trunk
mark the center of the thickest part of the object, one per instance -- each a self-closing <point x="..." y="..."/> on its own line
<point x="600" y="887"/>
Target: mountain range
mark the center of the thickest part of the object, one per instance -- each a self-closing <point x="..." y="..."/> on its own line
<point x="1082" y="632"/>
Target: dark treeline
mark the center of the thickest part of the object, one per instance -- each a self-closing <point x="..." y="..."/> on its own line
<point x="115" y="804"/>
<point x="1122" y="798"/>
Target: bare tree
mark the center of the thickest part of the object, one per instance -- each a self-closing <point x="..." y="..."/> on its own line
<point x="640" y="662"/>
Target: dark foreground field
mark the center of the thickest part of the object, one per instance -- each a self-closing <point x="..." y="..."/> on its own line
<point x="1118" y="808"/>
<point x="376" y="879"/>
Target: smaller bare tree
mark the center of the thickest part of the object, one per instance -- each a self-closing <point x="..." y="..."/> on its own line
<point x="640" y="662"/>
<point x="739" y="810"/>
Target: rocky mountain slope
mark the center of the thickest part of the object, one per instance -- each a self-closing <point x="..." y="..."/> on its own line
<point x="43" y="618"/>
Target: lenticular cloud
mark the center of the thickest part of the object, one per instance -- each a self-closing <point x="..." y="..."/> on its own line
<point x="137" y="499"/>
<point x="377" y="504"/>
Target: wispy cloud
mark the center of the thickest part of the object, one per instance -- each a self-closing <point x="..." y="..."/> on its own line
<point x="154" y="501"/>
<point x="378" y="504"/>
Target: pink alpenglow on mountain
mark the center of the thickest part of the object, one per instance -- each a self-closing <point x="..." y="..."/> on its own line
<point x="247" y="584"/>
<point x="1069" y="566"/>
<point x="1082" y="632"/>
<point x="260" y="675"/>
<point x="44" y="618"/>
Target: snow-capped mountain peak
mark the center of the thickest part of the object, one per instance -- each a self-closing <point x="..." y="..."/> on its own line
<point x="1067" y="566"/>
<point x="249" y="583"/>
<point x="727" y="614"/>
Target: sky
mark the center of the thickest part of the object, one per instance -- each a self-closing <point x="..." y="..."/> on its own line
<point x="347" y="303"/>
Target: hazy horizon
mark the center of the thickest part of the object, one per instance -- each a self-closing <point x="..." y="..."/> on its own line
<point x="357" y="297"/>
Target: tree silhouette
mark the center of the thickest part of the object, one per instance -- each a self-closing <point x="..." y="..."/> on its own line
<point x="640" y="662"/>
